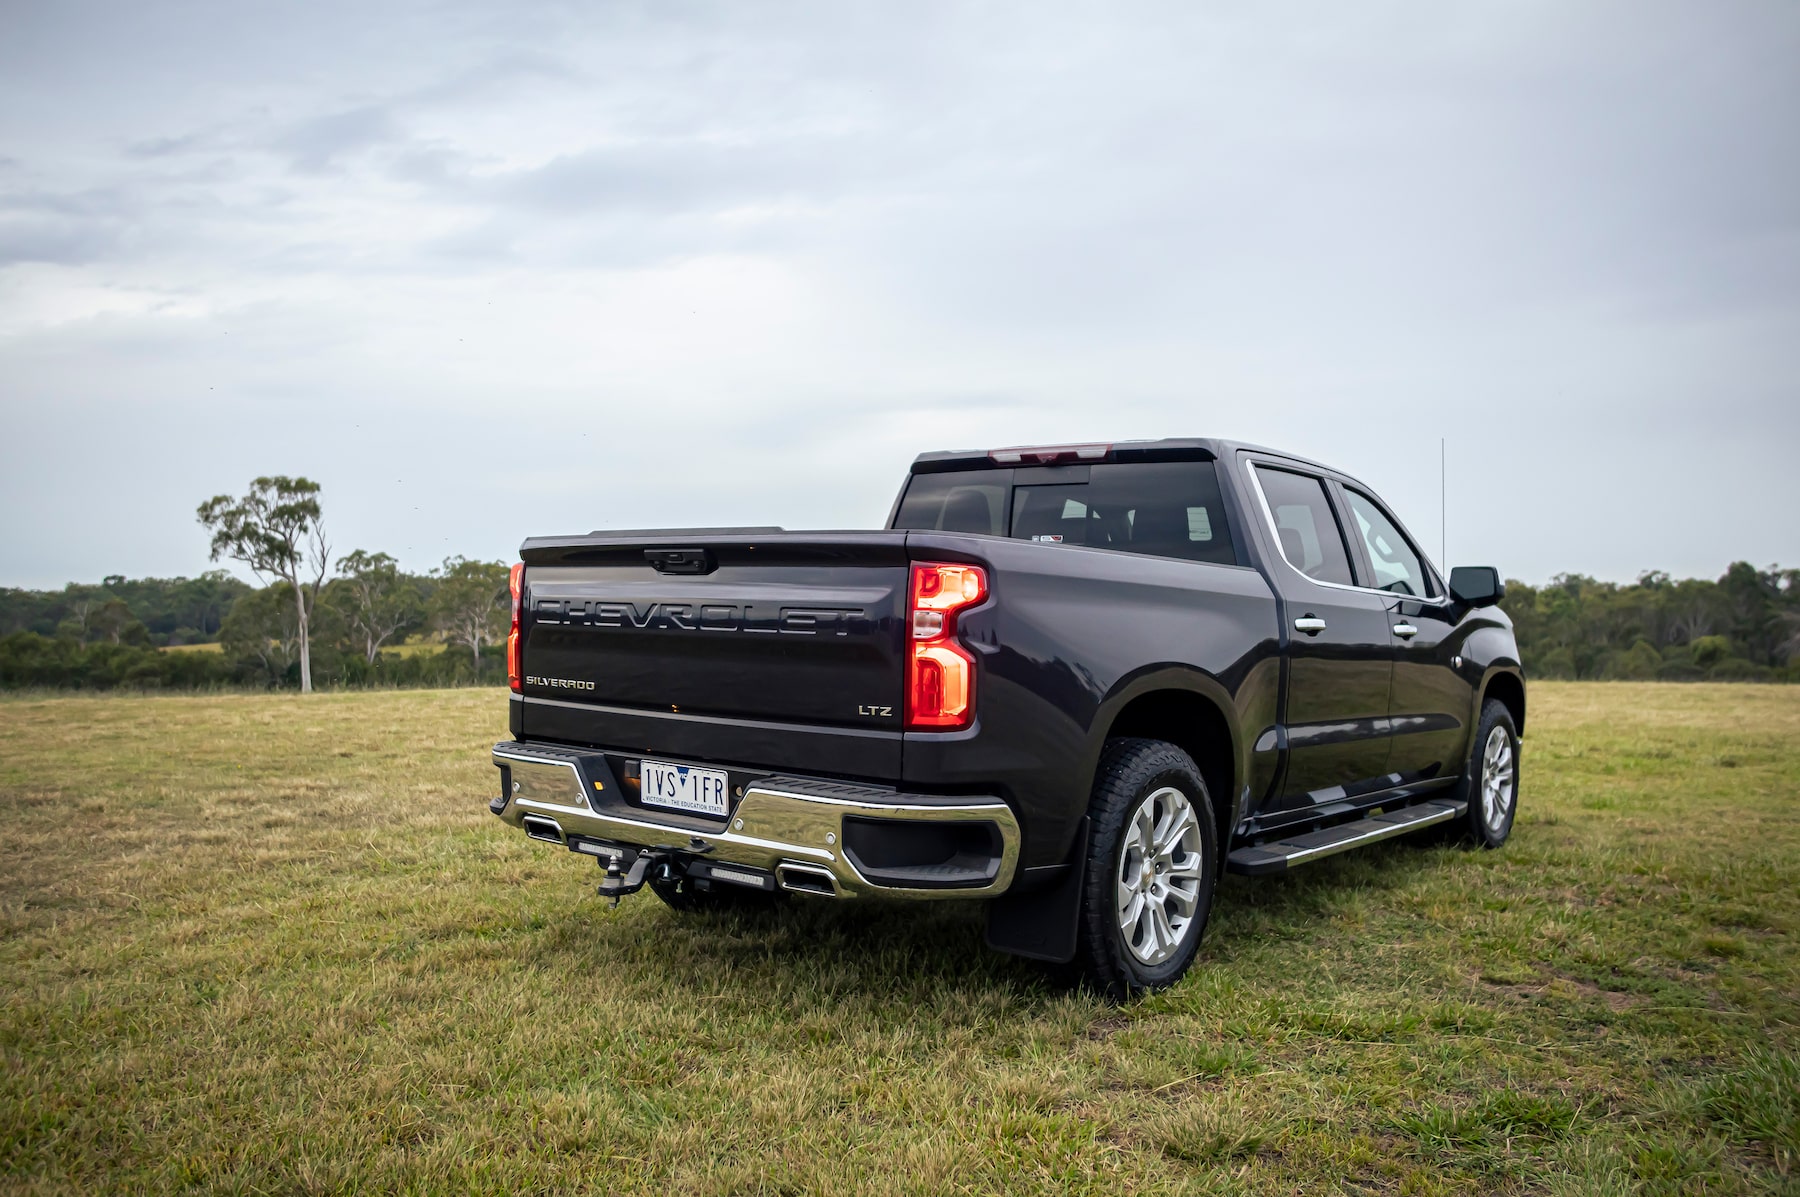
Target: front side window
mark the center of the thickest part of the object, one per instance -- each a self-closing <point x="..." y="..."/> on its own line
<point x="1398" y="569"/>
<point x="1308" y="532"/>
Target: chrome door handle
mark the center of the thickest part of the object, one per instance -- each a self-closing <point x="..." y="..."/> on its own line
<point x="1405" y="630"/>
<point x="1312" y="625"/>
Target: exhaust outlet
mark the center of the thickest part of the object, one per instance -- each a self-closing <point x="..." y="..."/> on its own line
<point x="806" y="879"/>
<point x="539" y="828"/>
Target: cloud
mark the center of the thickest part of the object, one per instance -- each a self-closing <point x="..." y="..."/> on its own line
<point x="694" y="263"/>
<point x="324" y="142"/>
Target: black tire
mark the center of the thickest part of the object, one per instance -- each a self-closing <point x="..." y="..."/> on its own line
<point x="1131" y="773"/>
<point x="688" y="896"/>
<point x="1480" y="826"/>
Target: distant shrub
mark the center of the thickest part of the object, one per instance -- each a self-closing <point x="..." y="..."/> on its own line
<point x="28" y="659"/>
<point x="1736" y="669"/>
<point x="1708" y="651"/>
<point x="1640" y="662"/>
<point x="1558" y="663"/>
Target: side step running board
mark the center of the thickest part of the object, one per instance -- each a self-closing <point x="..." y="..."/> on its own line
<point x="1278" y="856"/>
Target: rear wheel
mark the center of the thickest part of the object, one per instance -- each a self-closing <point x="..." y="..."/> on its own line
<point x="1491" y="782"/>
<point x="1151" y="868"/>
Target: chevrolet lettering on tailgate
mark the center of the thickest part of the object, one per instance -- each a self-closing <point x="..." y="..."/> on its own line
<point x="703" y="617"/>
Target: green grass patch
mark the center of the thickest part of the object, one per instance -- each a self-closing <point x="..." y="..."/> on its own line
<point x="267" y="943"/>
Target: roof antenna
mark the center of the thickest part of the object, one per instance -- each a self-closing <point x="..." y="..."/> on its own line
<point x="1443" y="510"/>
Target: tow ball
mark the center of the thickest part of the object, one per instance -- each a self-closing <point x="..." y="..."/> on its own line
<point x="660" y="862"/>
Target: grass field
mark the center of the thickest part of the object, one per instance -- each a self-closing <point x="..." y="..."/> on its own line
<point x="277" y="944"/>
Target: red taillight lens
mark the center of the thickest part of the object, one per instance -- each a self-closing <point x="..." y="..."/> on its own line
<point x="940" y="673"/>
<point x="516" y="581"/>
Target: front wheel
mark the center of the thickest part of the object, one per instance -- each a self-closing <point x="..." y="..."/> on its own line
<point x="1491" y="783"/>
<point x="1151" y="868"/>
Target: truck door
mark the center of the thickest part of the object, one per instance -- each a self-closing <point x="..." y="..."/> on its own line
<point x="1339" y="654"/>
<point x="1430" y="703"/>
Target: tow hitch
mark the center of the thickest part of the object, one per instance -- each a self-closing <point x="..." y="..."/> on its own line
<point x="661" y="862"/>
<point x="617" y="882"/>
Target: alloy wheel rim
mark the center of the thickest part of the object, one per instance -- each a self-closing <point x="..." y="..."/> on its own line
<point x="1158" y="878"/>
<point x="1497" y="778"/>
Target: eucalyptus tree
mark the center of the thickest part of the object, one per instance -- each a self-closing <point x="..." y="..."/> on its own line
<point x="377" y="601"/>
<point x="276" y="531"/>
<point x="471" y="603"/>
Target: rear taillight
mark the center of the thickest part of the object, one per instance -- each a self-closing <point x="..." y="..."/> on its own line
<point x="515" y="580"/>
<point x="940" y="673"/>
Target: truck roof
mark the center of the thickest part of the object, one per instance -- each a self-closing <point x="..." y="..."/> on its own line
<point x="1179" y="448"/>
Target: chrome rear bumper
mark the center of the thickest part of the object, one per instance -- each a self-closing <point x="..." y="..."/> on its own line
<point x="779" y="820"/>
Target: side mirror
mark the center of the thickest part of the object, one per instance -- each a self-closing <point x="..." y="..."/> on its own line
<point x="1477" y="585"/>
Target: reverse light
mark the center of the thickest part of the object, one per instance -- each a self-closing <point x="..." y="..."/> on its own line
<point x="515" y="580"/>
<point x="940" y="673"/>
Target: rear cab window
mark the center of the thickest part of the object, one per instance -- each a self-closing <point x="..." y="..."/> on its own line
<point x="1159" y="509"/>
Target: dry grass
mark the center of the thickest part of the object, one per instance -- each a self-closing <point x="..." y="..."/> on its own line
<point x="273" y="944"/>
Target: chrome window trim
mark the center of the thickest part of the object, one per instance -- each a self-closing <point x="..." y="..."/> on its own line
<point x="1250" y="464"/>
<point x="1425" y="562"/>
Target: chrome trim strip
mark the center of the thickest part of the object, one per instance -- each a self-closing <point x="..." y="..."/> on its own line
<point x="1386" y="830"/>
<point x="773" y="824"/>
<point x="1439" y="815"/>
<point x="1250" y="464"/>
<point x="1393" y="798"/>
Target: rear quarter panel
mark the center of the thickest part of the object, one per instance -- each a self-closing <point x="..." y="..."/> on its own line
<point x="1069" y="636"/>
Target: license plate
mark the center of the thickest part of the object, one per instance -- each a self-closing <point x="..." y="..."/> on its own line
<point x="683" y="787"/>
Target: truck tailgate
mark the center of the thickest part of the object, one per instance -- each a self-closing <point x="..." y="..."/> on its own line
<point x="782" y="648"/>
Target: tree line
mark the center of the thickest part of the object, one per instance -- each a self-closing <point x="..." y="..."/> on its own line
<point x="337" y="620"/>
<point x="1743" y="627"/>
<point x="318" y="617"/>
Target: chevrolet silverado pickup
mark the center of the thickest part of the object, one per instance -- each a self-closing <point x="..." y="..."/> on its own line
<point x="1074" y="682"/>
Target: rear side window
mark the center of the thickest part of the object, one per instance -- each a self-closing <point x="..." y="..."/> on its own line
<point x="1309" y="534"/>
<point x="1162" y="509"/>
<point x="961" y="501"/>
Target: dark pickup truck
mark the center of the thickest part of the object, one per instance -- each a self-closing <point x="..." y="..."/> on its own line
<point x="1074" y="681"/>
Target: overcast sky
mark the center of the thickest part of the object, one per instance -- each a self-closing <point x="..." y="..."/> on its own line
<point x="492" y="271"/>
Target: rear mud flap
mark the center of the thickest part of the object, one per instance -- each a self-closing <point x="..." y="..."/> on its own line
<point x="1041" y="924"/>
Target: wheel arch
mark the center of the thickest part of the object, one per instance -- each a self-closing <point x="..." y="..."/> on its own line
<point x="1507" y="688"/>
<point x="1192" y="711"/>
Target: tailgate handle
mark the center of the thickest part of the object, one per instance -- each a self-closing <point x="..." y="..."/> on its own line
<point x="680" y="561"/>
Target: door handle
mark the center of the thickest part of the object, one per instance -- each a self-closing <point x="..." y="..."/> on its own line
<point x="1405" y="630"/>
<point x="1312" y="625"/>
